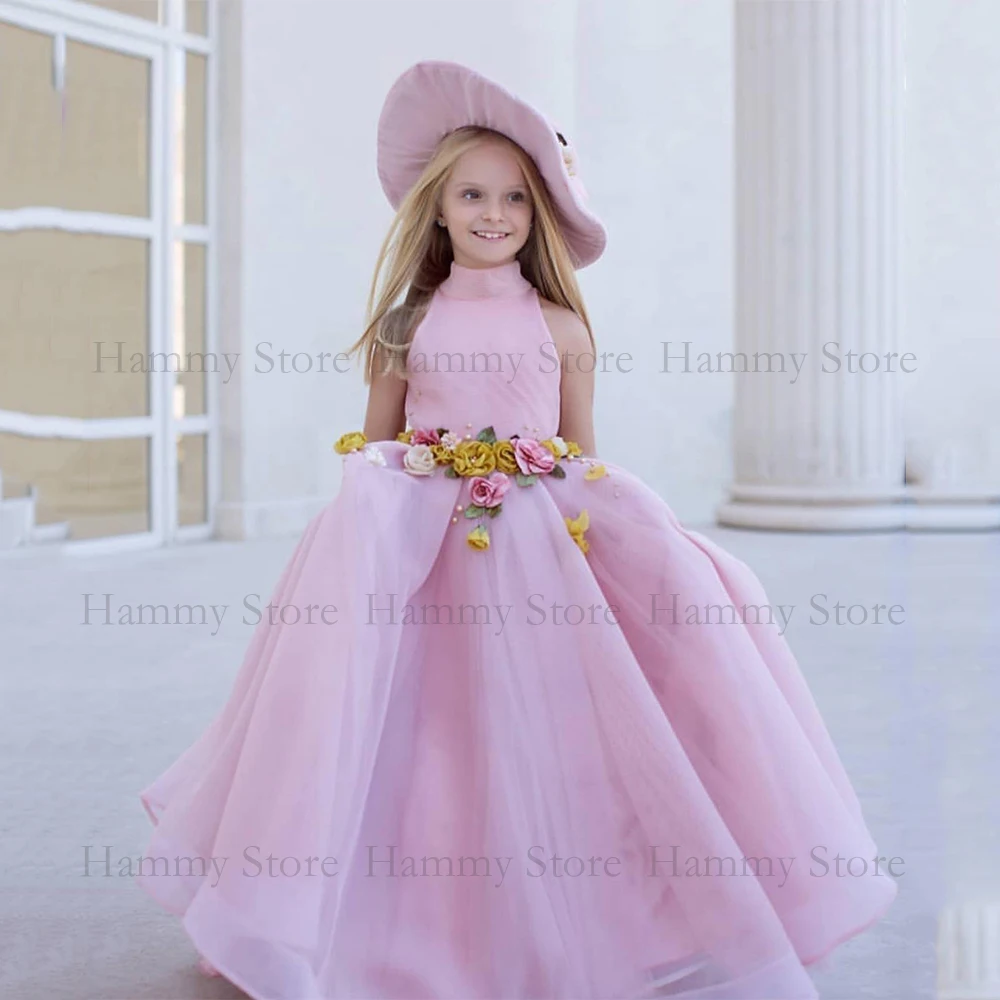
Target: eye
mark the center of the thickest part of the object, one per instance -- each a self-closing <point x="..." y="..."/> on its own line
<point x="518" y="196"/>
<point x="472" y="192"/>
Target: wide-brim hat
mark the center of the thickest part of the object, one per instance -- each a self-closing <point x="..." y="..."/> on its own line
<point x="434" y="98"/>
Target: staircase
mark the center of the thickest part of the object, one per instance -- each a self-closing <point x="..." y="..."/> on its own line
<point x="17" y="522"/>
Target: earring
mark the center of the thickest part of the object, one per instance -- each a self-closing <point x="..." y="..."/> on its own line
<point x="440" y="222"/>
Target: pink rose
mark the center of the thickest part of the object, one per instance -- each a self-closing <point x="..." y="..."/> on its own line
<point x="533" y="458"/>
<point x="488" y="491"/>
<point x="425" y="436"/>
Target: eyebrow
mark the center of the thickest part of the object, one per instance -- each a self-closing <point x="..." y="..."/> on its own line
<point x="514" y="187"/>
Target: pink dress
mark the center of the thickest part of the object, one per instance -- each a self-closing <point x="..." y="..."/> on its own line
<point x="521" y="771"/>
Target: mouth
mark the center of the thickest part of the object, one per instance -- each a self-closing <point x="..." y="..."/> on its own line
<point x="492" y="237"/>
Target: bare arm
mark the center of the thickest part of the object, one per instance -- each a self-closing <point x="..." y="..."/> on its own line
<point x="385" y="416"/>
<point x="576" y="410"/>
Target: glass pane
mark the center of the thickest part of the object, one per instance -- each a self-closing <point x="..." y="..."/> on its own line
<point x="197" y="17"/>
<point x="194" y="139"/>
<point x="148" y="10"/>
<point x="189" y="331"/>
<point x="192" y="495"/>
<point x="86" y="148"/>
<point x="97" y="488"/>
<point x="73" y="324"/>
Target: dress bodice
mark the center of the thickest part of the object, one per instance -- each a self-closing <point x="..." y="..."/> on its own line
<point x="483" y="356"/>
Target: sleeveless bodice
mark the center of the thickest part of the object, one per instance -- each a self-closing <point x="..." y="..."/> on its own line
<point x="483" y="356"/>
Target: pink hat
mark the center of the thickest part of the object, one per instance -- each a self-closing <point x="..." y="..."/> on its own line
<point x="433" y="98"/>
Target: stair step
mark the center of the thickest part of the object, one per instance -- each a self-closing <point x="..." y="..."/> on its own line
<point x="17" y="519"/>
<point x="46" y="534"/>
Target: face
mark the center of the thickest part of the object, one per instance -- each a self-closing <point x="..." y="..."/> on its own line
<point x="486" y="206"/>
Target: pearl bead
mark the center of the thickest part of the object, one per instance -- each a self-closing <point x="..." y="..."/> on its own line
<point x="454" y="520"/>
<point x="459" y="507"/>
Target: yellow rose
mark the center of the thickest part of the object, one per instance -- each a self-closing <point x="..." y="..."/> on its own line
<point x="503" y="451"/>
<point x="474" y="458"/>
<point x="573" y="449"/>
<point x="404" y="436"/>
<point x="595" y="472"/>
<point x="443" y="455"/>
<point x="549" y="444"/>
<point x="577" y="526"/>
<point x="559" y="445"/>
<point x="351" y="441"/>
<point x="479" y="538"/>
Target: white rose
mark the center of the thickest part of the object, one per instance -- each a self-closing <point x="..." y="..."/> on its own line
<point x="373" y="454"/>
<point x="569" y="158"/>
<point x="560" y="446"/>
<point x="419" y="460"/>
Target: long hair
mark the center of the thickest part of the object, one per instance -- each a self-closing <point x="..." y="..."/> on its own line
<point x="416" y="256"/>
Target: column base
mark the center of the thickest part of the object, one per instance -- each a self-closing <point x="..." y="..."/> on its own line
<point x="904" y="516"/>
<point x="812" y="516"/>
<point x="943" y="516"/>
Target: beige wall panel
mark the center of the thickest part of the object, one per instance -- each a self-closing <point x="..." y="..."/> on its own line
<point x="195" y="104"/>
<point x="87" y="150"/>
<point x="197" y="17"/>
<point x="189" y="341"/>
<point x="192" y="507"/>
<point x="62" y="294"/>
<point x="100" y="488"/>
<point x="148" y="10"/>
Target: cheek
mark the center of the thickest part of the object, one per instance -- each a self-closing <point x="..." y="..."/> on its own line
<point x="464" y="210"/>
<point x="522" y="212"/>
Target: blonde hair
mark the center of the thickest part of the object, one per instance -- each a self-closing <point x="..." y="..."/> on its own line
<point x="416" y="256"/>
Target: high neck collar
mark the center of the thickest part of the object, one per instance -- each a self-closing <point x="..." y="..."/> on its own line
<point x="501" y="281"/>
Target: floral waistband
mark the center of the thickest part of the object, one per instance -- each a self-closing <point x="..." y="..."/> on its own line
<point x="488" y="461"/>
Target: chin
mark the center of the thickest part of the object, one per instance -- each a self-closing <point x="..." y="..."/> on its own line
<point x="487" y="254"/>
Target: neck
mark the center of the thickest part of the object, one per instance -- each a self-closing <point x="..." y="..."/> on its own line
<point x="497" y="281"/>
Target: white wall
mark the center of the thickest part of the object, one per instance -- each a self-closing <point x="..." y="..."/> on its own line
<point x="951" y="242"/>
<point x="655" y="111"/>
<point x="643" y="91"/>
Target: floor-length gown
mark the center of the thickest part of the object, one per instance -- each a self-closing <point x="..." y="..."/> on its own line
<point x="563" y="758"/>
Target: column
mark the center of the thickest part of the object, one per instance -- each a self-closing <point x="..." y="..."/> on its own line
<point x="817" y="430"/>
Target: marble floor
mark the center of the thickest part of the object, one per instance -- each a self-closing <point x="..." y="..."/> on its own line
<point x="89" y="713"/>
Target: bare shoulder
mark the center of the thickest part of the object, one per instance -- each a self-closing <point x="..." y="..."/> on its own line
<point x="568" y="331"/>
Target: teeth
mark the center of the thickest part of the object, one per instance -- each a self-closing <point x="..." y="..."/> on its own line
<point x="491" y="236"/>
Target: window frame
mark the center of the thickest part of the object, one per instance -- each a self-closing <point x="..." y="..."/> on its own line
<point x="166" y="47"/>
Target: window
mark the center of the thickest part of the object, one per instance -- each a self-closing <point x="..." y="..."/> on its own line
<point x="107" y="418"/>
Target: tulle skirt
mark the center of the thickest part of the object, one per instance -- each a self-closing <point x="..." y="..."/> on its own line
<point x="525" y="771"/>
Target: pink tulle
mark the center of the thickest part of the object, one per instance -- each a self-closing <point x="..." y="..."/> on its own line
<point x="407" y="727"/>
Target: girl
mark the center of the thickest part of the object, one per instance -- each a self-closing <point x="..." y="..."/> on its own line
<point x="513" y="731"/>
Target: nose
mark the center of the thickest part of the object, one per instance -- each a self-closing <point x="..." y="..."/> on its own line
<point x="493" y="210"/>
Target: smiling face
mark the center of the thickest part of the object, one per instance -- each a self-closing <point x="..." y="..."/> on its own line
<point x="486" y="206"/>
